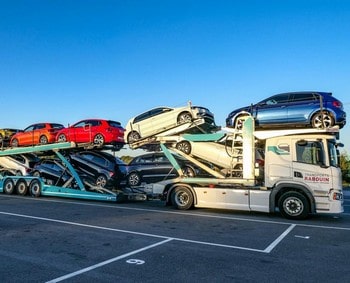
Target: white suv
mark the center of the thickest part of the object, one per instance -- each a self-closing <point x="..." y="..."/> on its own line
<point x="160" y="119"/>
<point x="22" y="164"/>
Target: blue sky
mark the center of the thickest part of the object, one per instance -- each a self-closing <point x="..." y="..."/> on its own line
<point x="62" y="61"/>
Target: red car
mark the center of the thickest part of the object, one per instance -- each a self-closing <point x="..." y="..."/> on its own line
<point x="97" y="131"/>
<point x="40" y="133"/>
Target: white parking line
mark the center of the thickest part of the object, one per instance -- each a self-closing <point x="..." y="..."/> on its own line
<point x="87" y="269"/>
<point x="130" y="232"/>
<point x="279" y="239"/>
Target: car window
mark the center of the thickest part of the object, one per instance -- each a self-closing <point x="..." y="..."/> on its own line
<point x="39" y="126"/>
<point x="28" y="129"/>
<point x="56" y="126"/>
<point x="142" y="116"/>
<point x="94" y="123"/>
<point x="277" y="99"/>
<point x="114" y="124"/>
<point x="304" y="97"/>
<point x="18" y="158"/>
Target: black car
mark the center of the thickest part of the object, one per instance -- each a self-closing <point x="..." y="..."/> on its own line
<point x="155" y="167"/>
<point x="107" y="170"/>
<point x="53" y="172"/>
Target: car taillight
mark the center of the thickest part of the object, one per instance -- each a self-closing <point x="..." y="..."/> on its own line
<point x="260" y="162"/>
<point x="337" y="104"/>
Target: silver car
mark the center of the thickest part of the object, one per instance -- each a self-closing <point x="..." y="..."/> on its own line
<point x="161" y="119"/>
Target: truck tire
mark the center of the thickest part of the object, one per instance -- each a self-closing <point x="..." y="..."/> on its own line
<point x="21" y="187"/>
<point x="294" y="205"/>
<point x="9" y="186"/>
<point x="35" y="188"/>
<point x="182" y="198"/>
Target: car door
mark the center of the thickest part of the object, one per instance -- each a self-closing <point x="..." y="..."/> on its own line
<point x="300" y="107"/>
<point x="273" y="110"/>
<point x="162" y="119"/>
<point x="28" y="135"/>
<point x="82" y="131"/>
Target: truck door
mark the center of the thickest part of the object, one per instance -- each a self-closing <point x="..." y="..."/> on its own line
<point x="310" y="165"/>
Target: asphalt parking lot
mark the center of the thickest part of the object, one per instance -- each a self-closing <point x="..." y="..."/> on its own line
<point x="55" y="240"/>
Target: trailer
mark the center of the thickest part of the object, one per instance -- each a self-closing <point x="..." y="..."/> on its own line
<point x="300" y="175"/>
<point x="35" y="186"/>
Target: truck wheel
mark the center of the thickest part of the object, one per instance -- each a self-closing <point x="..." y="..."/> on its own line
<point x="294" y="205"/>
<point x="182" y="198"/>
<point x="21" y="187"/>
<point x="9" y="186"/>
<point x="35" y="188"/>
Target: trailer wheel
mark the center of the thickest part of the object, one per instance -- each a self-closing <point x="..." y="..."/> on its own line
<point x="182" y="198"/>
<point x="9" y="186"/>
<point x="35" y="188"/>
<point x="294" y="205"/>
<point x="21" y="187"/>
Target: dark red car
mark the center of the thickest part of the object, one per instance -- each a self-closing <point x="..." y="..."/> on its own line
<point x="40" y="133"/>
<point x="97" y="131"/>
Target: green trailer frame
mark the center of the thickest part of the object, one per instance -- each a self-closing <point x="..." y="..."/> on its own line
<point x="35" y="185"/>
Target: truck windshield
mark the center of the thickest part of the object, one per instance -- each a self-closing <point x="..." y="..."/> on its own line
<point x="333" y="153"/>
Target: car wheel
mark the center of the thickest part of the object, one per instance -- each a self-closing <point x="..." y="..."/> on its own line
<point x="184" y="146"/>
<point x="134" y="179"/>
<point x="101" y="181"/>
<point x="184" y="118"/>
<point x="182" y="198"/>
<point x="189" y="172"/>
<point x="294" y="205"/>
<point x="133" y="137"/>
<point x="99" y="140"/>
<point x="43" y="140"/>
<point x="36" y="174"/>
<point x="14" y="143"/>
<point x="322" y="120"/>
<point x="62" y="138"/>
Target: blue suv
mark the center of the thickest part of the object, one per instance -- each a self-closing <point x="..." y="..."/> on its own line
<point x="308" y="108"/>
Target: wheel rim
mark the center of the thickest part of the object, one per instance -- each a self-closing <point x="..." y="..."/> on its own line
<point x="62" y="138"/>
<point x="134" y="179"/>
<point x="14" y="143"/>
<point x="21" y="188"/>
<point x="99" y="140"/>
<point x="322" y="120"/>
<point x="184" y="118"/>
<point x="182" y="198"/>
<point x="293" y="206"/>
<point x="9" y="187"/>
<point x="43" y="139"/>
<point x="101" y="181"/>
<point x="35" y="188"/>
<point x="133" y="137"/>
<point x="185" y="147"/>
<point x="188" y="172"/>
